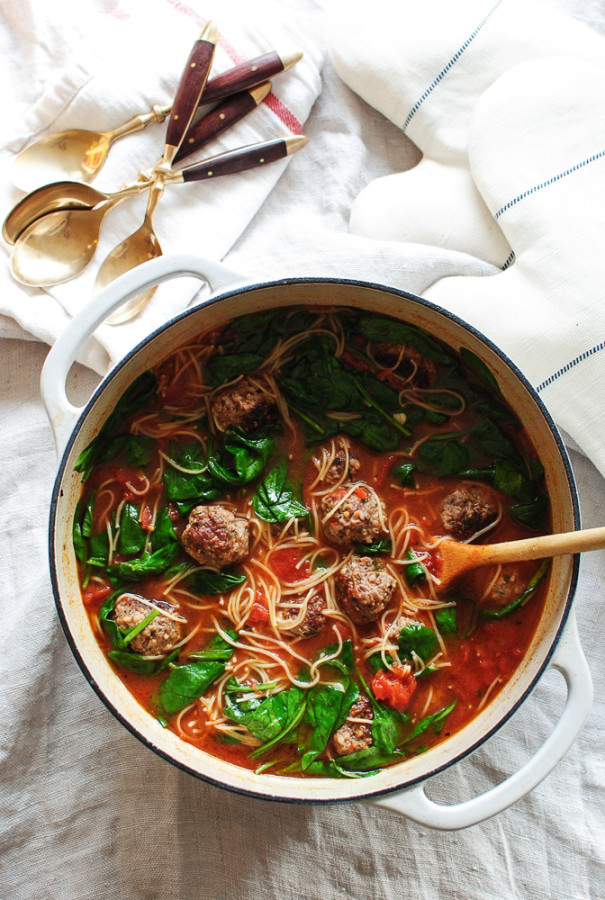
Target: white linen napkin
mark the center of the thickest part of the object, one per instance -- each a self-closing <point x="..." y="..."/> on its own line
<point x="128" y="57"/>
<point x="505" y="99"/>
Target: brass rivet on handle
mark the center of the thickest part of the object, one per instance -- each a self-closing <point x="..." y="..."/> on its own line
<point x="221" y="115"/>
<point x="209" y="173"/>
<point x="193" y="65"/>
<point x="254" y="69"/>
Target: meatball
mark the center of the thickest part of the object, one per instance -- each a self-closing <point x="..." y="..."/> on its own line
<point x="216" y="537"/>
<point x="161" y="635"/>
<point x="351" y="514"/>
<point x="467" y="510"/>
<point x="245" y="404"/>
<point x="509" y="585"/>
<point x="407" y="362"/>
<point x="352" y="735"/>
<point x="338" y="469"/>
<point x="314" y="619"/>
<point x="363" y="588"/>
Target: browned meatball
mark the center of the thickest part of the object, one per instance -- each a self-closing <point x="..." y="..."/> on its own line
<point x="407" y="362"/>
<point x="353" y="736"/>
<point x="161" y="635"/>
<point x="351" y="514"/>
<point x="314" y="619"/>
<point x="244" y="404"/>
<point x="467" y="510"/>
<point x="363" y="588"/>
<point x="216" y="537"/>
<point x="338" y="468"/>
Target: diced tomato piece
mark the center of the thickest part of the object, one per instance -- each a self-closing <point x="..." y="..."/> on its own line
<point x="286" y="564"/>
<point x="96" y="592"/>
<point x="146" y="518"/>
<point x="381" y="477"/>
<point x="259" y="614"/>
<point x="361" y="493"/>
<point x="394" y="687"/>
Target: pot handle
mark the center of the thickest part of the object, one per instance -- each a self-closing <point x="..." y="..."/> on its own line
<point x="569" y="659"/>
<point x="63" y="414"/>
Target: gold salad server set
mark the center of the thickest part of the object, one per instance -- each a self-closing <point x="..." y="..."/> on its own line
<point x="55" y="228"/>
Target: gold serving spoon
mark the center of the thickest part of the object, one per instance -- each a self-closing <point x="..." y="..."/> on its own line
<point x="459" y="559"/>
<point x="138" y="248"/>
<point x="75" y="154"/>
<point x="62" y="195"/>
<point x="57" y="246"/>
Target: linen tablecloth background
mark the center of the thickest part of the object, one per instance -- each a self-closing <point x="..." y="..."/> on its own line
<point x="85" y="810"/>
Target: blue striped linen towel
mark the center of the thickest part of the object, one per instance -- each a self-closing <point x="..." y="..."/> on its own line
<point x="505" y="100"/>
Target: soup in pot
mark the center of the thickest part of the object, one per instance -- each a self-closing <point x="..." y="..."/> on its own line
<point x="259" y="536"/>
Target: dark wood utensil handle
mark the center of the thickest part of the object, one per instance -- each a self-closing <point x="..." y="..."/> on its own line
<point x="217" y="120"/>
<point x="192" y="83"/>
<point x="250" y="157"/>
<point x="244" y="75"/>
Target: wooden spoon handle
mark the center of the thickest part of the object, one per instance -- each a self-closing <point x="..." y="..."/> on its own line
<point x="248" y="74"/>
<point x="542" y="547"/>
<point x="220" y="118"/>
<point x="190" y="89"/>
<point x="243" y="158"/>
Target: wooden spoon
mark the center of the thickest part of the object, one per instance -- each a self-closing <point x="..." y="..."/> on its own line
<point x="458" y="559"/>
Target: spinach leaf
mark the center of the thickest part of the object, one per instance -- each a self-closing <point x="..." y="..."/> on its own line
<point x="403" y="473"/>
<point x="188" y="488"/>
<point x="492" y="441"/>
<point x="381" y="546"/>
<point x="315" y="378"/>
<point x="479" y="367"/>
<point x="447" y="620"/>
<point x="437" y="719"/>
<point x="531" y="514"/>
<point x="137" y="449"/>
<point x="325" y="709"/>
<point x="131" y="538"/>
<point x="415" y="573"/>
<point x="137" y="395"/>
<point x="365" y="761"/>
<point x="184" y="684"/>
<point x="442" y="456"/>
<point x="274" y="499"/>
<point x="163" y="532"/>
<point x="372" y="429"/>
<point x="108" y="624"/>
<point x="134" y="662"/>
<point x="226" y="367"/>
<point x="146" y="564"/>
<point x="270" y="719"/>
<point x="79" y="542"/>
<point x="345" y="656"/>
<point x="382" y="330"/>
<point x="250" y="339"/>
<point x="87" y="517"/>
<point x="417" y="638"/>
<point x="207" y="582"/>
<point x="250" y="452"/>
<point x="98" y="549"/>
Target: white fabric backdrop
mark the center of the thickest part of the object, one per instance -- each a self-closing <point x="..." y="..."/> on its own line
<point x="88" y="812"/>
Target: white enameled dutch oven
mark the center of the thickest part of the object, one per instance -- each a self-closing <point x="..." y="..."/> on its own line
<point x="401" y="787"/>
